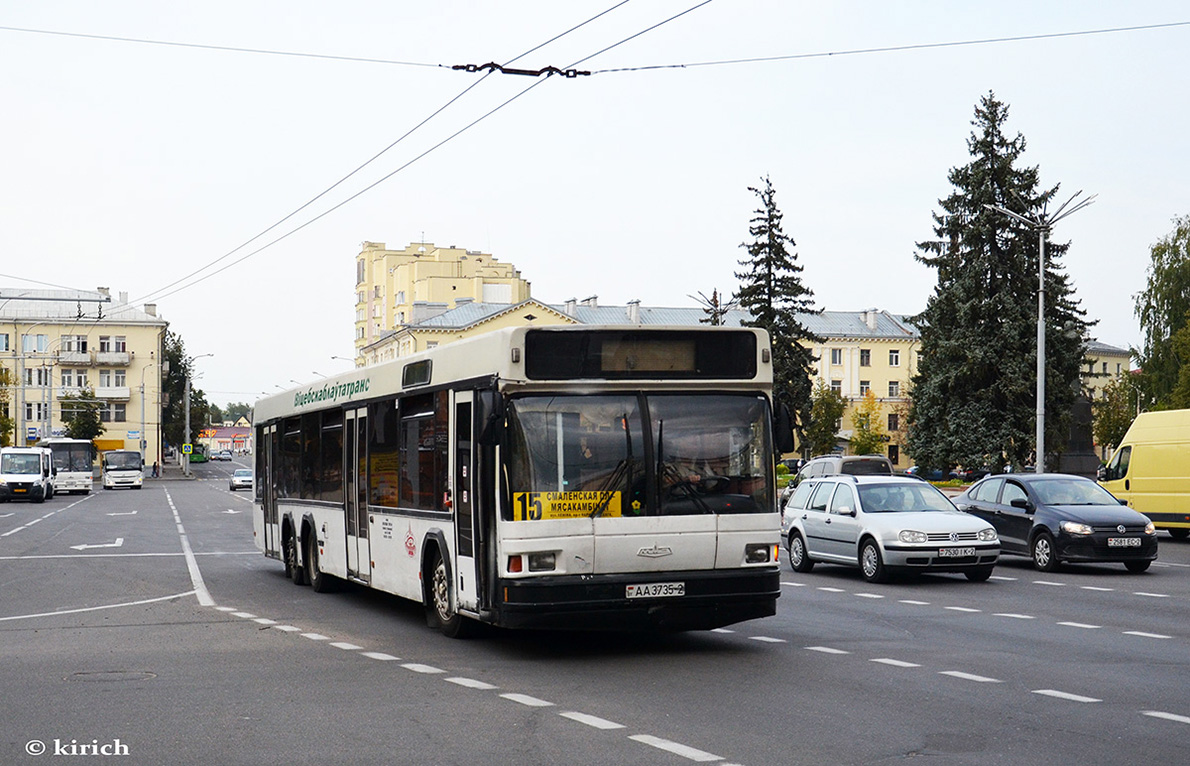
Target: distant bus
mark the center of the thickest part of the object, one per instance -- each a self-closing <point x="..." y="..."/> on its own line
<point x="123" y="468"/>
<point x="562" y="478"/>
<point x="74" y="461"/>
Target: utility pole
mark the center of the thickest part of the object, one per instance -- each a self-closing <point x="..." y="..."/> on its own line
<point x="1043" y="224"/>
<point x="186" y="406"/>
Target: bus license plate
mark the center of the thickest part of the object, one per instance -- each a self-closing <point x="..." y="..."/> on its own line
<point x="1123" y="542"/>
<point x="656" y="590"/>
<point x="955" y="553"/>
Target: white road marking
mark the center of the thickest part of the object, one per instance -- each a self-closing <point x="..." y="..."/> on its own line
<point x="961" y="609"/>
<point x="1166" y="716"/>
<point x="345" y="646"/>
<point x="471" y="683"/>
<point x="1065" y="695"/>
<point x="200" y="588"/>
<point x="96" y="608"/>
<point x="970" y="677"/>
<point x="1006" y="579"/>
<point x="1080" y="625"/>
<point x="826" y="650"/>
<point x="1144" y="635"/>
<point x="794" y="584"/>
<point x="768" y="639"/>
<point x="525" y="699"/>
<point x="1048" y="582"/>
<point x="265" y="621"/>
<point x="722" y="630"/>
<point x="1015" y="616"/>
<point x="673" y="747"/>
<point x="1101" y="590"/>
<point x="590" y="720"/>
<point x="245" y="615"/>
<point x="226" y="608"/>
<point x="380" y="656"/>
<point x="1150" y="595"/>
<point x="914" y="603"/>
<point x="868" y="595"/>
<point x="287" y="628"/>
<point x="124" y="513"/>
<point x="832" y="590"/>
<point x="316" y="637"/>
<point x="896" y="663"/>
<point x="419" y="668"/>
<point x="119" y="543"/>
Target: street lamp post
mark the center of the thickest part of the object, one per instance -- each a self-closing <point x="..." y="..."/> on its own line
<point x="1043" y="224"/>
<point x="186" y="404"/>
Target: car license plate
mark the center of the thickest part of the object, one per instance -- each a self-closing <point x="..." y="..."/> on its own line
<point x="955" y="553"/>
<point x="19" y="490"/>
<point x="1123" y="542"/>
<point x="656" y="590"/>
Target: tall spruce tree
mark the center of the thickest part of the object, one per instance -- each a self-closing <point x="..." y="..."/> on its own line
<point x="974" y="394"/>
<point x="771" y="290"/>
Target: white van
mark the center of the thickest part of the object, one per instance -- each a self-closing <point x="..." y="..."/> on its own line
<point x="123" y="468"/>
<point x="26" y="473"/>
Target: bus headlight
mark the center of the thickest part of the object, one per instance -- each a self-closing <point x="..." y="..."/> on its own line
<point x="542" y="562"/>
<point x="758" y="553"/>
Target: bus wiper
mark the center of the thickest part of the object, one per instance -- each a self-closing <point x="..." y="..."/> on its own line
<point x="623" y="468"/>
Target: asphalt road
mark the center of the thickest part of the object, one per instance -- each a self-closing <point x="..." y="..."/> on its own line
<point x="167" y="639"/>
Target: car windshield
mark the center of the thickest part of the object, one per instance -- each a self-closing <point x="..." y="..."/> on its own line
<point x="900" y="498"/>
<point x="1072" y="491"/>
<point x="243" y="472"/>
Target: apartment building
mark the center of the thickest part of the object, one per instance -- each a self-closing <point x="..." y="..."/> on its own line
<point x="59" y="343"/>
<point x="390" y="283"/>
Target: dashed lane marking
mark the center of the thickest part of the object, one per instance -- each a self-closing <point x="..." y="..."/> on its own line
<point x="1065" y="695"/>
<point x="417" y="667"/>
<point x="768" y="639"/>
<point x="911" y="602"/>
<point x="380" y="656"/>
<point x="525" y="699"/>
<point x="1080" y="625"/>
<point x="962" y="609"/>
<point x="471" y="683"/>
<point x="896" y="663"/>
<point x="1150" y="595"/>
<point x="1166" y="716"/>
<point x="1142" y="634"/>
<point x="591" y="720"/>
<point x="1015" y="616"/>
<point x="826" y="650"/>
<point x="345" y="646"/>
<point x="685" y="751"/>
<point x="969" y="677"/>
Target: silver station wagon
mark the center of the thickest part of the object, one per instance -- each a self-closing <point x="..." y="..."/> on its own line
<point x="885" y="524"/>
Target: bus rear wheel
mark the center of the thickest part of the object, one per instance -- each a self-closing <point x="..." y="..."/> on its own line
<point x="293" y="570"/>
<point x="319" y="581"/>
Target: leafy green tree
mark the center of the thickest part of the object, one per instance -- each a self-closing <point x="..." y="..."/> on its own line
<point x="868" y="436"/>
<point x="1163" y="309"/>
<point x="173" y="383"/>
<point x="81" y="415"/>
<point x="821" y="434"/>
<point x="974" y="395"/>
<point x="1179" y="398"/>
<point x="771" y="290"/>
<point x="237" y="410"/>
<point x="7" y="423"/>
<point x="1114" y="411"/>
<point x="215" y="413"/>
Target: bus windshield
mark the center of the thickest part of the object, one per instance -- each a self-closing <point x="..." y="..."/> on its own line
<point x="574" y="456"/>
<point x="71" y="457"/>
<point x="122" y="461"/>
<point x="21" y="465"/>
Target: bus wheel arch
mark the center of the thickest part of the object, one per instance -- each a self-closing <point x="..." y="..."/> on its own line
<point x="289" y="548"/>
<point x="442" y="610"/>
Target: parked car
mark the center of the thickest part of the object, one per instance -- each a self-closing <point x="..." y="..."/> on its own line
<point x="1056" y="518"/>
<point x="853" y="465"/>
<point x="929" y="474"/>
<point x="221" y="455"/>
<point x="885" y="524"/>
<point x="240" y="478"/>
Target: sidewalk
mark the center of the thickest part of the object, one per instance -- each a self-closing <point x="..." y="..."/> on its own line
<point x="170" y="470"/>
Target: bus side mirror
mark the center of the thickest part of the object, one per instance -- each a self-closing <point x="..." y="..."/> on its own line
<point x="783" y="430"/>
<point x="490" y="409"/>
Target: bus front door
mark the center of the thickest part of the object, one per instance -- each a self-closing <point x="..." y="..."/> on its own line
<point x="462" y="483"/>
<point x="355" y="474"/>
<point x="264" y="487"/>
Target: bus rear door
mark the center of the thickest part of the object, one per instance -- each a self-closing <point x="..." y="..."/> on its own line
<point x="355" y="474"/>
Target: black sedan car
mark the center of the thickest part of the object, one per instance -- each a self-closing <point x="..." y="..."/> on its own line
<point x="1055" y="518"/>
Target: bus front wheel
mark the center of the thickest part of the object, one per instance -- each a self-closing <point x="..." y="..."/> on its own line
<point x="442" y="609"/>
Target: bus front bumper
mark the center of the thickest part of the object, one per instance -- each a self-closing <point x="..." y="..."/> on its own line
<point x="710" y="599"/>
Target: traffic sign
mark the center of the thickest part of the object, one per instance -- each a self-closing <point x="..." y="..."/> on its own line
<point x="187" y="449"/>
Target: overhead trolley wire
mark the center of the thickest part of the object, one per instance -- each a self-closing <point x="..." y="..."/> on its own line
<point x="160" y="293"/>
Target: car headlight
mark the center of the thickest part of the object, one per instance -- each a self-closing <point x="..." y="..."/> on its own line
<point x="987" y="535"/>
<point x="1150" y="528"/>
<point x="911" y="536"/>
<point x="1076" y="528"/>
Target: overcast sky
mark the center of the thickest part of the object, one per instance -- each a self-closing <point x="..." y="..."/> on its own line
<point x="131" y="165"/>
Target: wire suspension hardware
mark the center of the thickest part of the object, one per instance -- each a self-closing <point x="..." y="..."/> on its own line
<point x="492" y="66"/>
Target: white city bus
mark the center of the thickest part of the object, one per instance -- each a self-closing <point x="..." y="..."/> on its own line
<point x="123" y="468"/>
<point x="74" y="460"/>
<point x="568" y="477"/>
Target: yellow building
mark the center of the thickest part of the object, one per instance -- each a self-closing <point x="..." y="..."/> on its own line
<point x="865" y="351"/>
<point x="390" y="284"/>
<point x="1102" y="365"/>
<point x="59" y="343"/>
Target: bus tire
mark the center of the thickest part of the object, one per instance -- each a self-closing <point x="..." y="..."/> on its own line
<point x="292" y="568"/>
<point x="319" y="581"/>
<point x="441" y="608"/>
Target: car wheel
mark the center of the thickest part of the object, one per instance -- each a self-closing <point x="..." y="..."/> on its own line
<point x="979" y="574"/>
<point x="1045" y="557"/>
<point x="799" y="560"/>
<point x="870" y="562"/>
<point x="1136" y="567"/>
<point x="1178" y="533"/>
